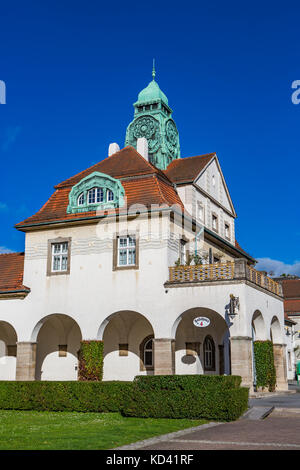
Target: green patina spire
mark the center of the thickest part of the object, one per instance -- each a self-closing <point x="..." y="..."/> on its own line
<point x="153" y="120"/>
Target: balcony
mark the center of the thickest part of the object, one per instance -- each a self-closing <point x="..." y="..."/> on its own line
<point x="231" y="270"/>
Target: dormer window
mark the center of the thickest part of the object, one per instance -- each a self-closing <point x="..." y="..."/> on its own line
<point x="81" y="199"/>
<point x="95" y="195"/>
<point x="96" y="191"/>
<point x="110" y="195"/>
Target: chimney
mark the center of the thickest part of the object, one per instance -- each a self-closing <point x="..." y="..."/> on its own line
<point x="142" y="147"/>
<point x="113" y="148"/>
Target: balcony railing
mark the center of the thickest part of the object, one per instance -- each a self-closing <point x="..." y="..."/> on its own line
<point x="203" y="272"/>
<point x="237" y="269"/>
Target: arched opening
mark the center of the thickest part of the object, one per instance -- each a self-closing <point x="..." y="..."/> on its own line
<point x="58" y="339"/>
<point x="128" y="346"/>
<point x="8" y="351"/>
<point x="258" y="327"/>
<point x="202" y="349"/>
<point x="275" y="331"/>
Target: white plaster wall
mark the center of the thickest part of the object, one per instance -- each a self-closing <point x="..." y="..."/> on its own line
<point x="93" y="291"/>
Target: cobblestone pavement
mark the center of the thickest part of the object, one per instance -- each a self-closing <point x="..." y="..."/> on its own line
<point x="280" y="431"/>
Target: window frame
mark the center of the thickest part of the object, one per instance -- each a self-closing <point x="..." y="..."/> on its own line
<point x="143" y="366"/>
<point x="209" y="367"/>
<point x="226" y="224"/>
<point x="214" y="215"/>
<point x="116" y="266"/>
<point x="51" y="243"/>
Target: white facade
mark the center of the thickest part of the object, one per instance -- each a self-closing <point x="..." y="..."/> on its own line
<point x="126" y="306"/>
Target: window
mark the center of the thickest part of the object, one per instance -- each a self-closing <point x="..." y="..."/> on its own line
<point x="81" y="199"/>
<point x="200" y="212"/>
<point x="182" y="254"/>
<point x="209" y="354"/>
<point x="95" y="195"/>
<point x="147" y="353"/>
<point x="110" y="195"/>
<point x="126" y="252"/>
<point x="215" y="222"/>
<point x="58" y="256"/>
<point x="227" y="231"/>
<point x="214" y="180"/>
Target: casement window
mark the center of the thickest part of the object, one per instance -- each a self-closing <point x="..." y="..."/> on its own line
<point x="215" y="222"/>
<point x="227" y="231"/>
<point x="209" y="354"/>
<point x="147" y="353"/>
<point x="60" y="256"/>
<point x="200" y="210"/>
<point x="95" y="195"/>
<point x="110" y="195"/>
<point x="59" y="251"/>
<point x="125" y="253"/>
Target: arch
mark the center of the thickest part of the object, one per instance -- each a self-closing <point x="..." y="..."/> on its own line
<point x="58" y="339"/>
<point x="189" y="342"/>
<point x="8" y="351"/>
<point x="275" y="331"/>
<point x="123" y="333"/>
<point x="259" y="327"/>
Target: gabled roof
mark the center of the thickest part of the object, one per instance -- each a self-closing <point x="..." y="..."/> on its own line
<point x="11" y="273"/>
<point x="125" y="163"/>
<point x="186" y="170"/>
<point x="143" y="184"/>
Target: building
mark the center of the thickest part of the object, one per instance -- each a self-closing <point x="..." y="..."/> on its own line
<point x="291" y="293"/>
<point x="138" y="251"/>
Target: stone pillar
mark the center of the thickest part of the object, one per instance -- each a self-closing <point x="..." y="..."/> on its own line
<point x="241" y="359"/>
<point x="164" y="356"/>
<point x="26" y="360"/>
<point x="280" y="366"/>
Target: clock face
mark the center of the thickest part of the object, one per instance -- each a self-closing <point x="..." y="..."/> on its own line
<point x="172" y="136"/>
<point x="148" y="127"/>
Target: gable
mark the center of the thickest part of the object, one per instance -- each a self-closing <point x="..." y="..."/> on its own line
<point x="212" y="182"/>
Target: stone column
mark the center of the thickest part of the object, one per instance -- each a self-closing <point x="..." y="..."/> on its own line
<point x="280" y="366"/>
<point x="164" y="356"/>
<point x="26" y="360"/>
<point x="241" y="359"/>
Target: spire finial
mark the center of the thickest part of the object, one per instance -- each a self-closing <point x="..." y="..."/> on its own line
<point x="153" y="70"/>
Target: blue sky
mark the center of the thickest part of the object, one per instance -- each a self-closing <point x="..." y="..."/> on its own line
<point x="73" y="69"/>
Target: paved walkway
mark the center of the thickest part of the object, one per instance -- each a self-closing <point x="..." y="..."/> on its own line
<point x="279" y="431"/>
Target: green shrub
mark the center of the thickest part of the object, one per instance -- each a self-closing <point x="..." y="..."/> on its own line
<point x="90" y="361"/>
<point x="264" y="365"/>
<point x="223" y="405"/>
<point x="211" y="397"/>
<point x="64" y="396"/>
<point x="187" y="382"/>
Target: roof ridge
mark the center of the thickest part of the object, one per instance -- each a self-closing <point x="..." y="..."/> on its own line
<point x="12" y="253"/>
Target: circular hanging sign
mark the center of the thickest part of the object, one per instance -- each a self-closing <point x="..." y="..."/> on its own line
<point x="201" y="322"/>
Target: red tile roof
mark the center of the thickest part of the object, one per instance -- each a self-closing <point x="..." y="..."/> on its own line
<point x="143" y="184"/>
<point x="291" y="288"/>
<point x="187" y="169"/>
<point x="11" y="272"/>
<point x="292" y="306"/>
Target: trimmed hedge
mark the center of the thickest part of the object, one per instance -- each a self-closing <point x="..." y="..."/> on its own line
<point x="264" y="365"/>
<point x="90" y="361"/>
<point x="173" y="396"/>
<point x="187" y="382"/>
<point x="64" y="396"/>
<point x="223" y="405"/>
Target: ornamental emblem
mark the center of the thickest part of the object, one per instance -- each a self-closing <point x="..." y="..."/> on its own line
<point x="172" y="136"/>
<point x="148" y="127"/>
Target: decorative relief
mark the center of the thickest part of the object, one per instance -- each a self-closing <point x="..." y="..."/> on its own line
<point x="148" y="127"/>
